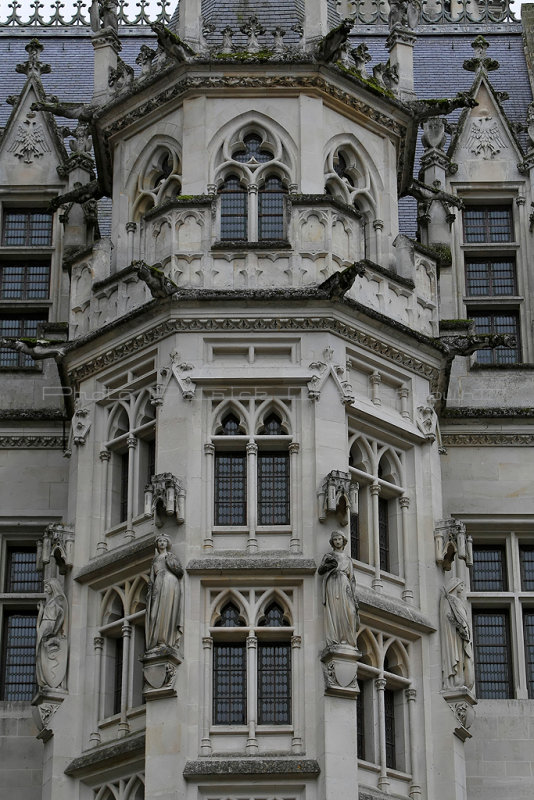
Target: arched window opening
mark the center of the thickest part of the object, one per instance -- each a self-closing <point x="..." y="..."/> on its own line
<point x="230" y="617"/>
<point x="253" y="151"/>
<point x="271" y="210"/>
<point x="341" y="169"/>
<point x="234" y="210"/>
<point x="230" y="425"/>
<point x="274" y="617"/>
<point x="272" y="425"/>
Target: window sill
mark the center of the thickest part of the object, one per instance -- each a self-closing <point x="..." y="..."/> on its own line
<point x="494" y="247"/>
<point x="267" y="244"/>
<point x="260" y="729"/>
<point x="493" y="299"/>
<point x="501" y="367"/>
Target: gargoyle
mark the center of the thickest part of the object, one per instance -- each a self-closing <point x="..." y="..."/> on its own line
<point x="425" y="109"/>
<point x="337" y="285"/>
<point x="467" y="344"/>
<point x="122" y="77"/>
<point x="361" y="56"/>
<point x="155" y="279"/>
<point x="80" y="111"/>
<point x="386" y="75"/>
<point x="330" y="47"/>
<point x="171" y="44"/>
<point x="426" y="194"/>
<point x="80" y="194"/>
<point x="38" y="349"/>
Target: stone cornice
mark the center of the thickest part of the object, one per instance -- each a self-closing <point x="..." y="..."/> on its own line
<point x="32" y="414"/>
<point x="260" y="325"/>
<point x="402" y="613"/>
<point x="40" y="442"/>
<point x="290" y="767"/>
<point x="117" y="558"/>
<point x="502" y="412"/>
<point x="487" y="439"/>
<point x="107" y="755"/>
<point x="270" y="562"/>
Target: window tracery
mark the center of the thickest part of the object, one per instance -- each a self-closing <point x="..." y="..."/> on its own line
<point x="158" y="181"/>
<point x="130" y="788"/>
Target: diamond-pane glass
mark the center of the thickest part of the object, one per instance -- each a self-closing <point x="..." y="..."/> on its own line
<point x="273" y="488"/>
<point x="528" y="625"/>
<point x="274" y="683"/>
<point x="271" y="210"/>
<point x="488" y="224"/>
<point x="26" y="228"/>
<point x="229" y="684"/>
<point x="526" y="558"/>
<point x="18" y="656"/>
<point x="490" y="277"/>
<point x="21" y="574"/>
<point x="493" y="670"/>
<point x="274" y="617"/>
<point x="497" y="322"/>
<point x="383" y="532"/>
<point x="234" y="211"/>
<point x="229" y="617"/>
<point x="488" y="573"/>
<point x="230" y="489"/>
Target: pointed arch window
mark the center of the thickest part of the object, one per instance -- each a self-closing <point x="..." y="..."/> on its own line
<point x="234" y="210"/>
<point x="271" y="209"/>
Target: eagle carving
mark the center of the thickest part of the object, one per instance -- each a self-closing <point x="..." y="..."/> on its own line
<point x="485" y="138"/>
<point x="30" y="141"/>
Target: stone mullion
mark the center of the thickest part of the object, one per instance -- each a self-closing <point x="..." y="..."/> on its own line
<point x="375" y="492"/>
<point x="294" y="483"/>
<point x="98" y="705"/>
<point x="132" y="444"/>
<point x="209" y="451"/>
<point x="383" y="780"/>
<point x="297" y="694"/>
<point x="105" y="505"/>
<point x="205" y="745"/>
<point x="252" y="693"/>
<point x="415" y="788"/>
<point x="253" y="213"/>
<point x="409" y="581"/>
<point x="252" y="495"/>
<point x="124" y="727"/>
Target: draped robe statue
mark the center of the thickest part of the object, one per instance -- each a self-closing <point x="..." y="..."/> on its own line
<point x="164" y="598"/>
<point x="456" y="639"/>
<point x="339" y="594"/>
<point x="51" y="647"/>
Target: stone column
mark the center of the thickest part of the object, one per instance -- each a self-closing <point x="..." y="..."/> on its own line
<point x="105" y="510"/>
<point x="252" y="496"/>
<point x="131" y="228"/>
<point x="409" y="577"/>
<point x="415" y="788"/>
<point x="297" y="671"/>
<point x="124" y="727"/>
<point x="209" y="451"/>
<point x="252" y="699"/>
<point x="131" y="441"/>
<point x="253" y="213"/>
<point x="400" y="44"/>
<point x="295" y="543"/>
<point x="315" y="20"/>
<point x="383" y="780"/>
<point x="106" y="46"/>
<point x="374" y="489"/>
<point x="205" y="744"/>
<point x="375" y="379"/>
<point x="404" y="393"/>
<point x="98" y="711"/>
<point x="378" y="227"/>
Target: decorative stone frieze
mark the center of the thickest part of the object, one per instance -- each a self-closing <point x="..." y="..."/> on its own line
<point x="488" y="439"/>
<point x="57" y="544"/>
<point x="36" y="442"/>
<point x="165" y="496"/>
<point x="338" y="495"/>
<point x="450" y="540"/>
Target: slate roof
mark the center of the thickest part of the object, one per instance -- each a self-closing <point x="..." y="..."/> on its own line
<point x="438" y="59"/>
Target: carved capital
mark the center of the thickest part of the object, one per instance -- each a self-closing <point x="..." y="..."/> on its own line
<point x="209" y="449"/>
<point x="131" y="442"/>
<point x="104" y="455"/>
<point x="294" y="448"/>
<point x="207" y="642"/>
<point x="375" y="489"/>
<point x="98" y="643"/>
<point x="378" y="224"/>
<point x="296" y="642"/>
<point x="404" y="502"/>
<point x="131" y="227"/>
<point x="380" y="684"/>
<point x="252" y="448"/>
<point x="410" y="694"/>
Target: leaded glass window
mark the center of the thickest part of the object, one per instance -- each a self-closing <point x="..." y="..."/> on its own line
<point x="488" y="224"/>
<point x="528" y="626"/>
<point x="118" y="646"/>
<point x="229" y="617"/>
<point x="383" y="533"/>
<point x="271" y="210"/>
<point x="230" y="489"/>
<point x="497" y="321"/>
<point x="526" y="559"/>
<point x="273" y="488"/>
<point x="24" y="280"/>
<point x="19" y="327"/>
<point x="230" y="425"/>
<point x="26" y="227"/>
<point x="274" y="617"/>
<point x="272" y="426"/>
<point x="17" y="679"/>
<point x="274" y="683"/>
<point x="389" y="720"/>
<point x="234" y="210"/>
<point x="354" y="536"/>
<point x="360" y="719"/>
<point x="252" y="151"/>
<point x="22" y="574"/>
<point x="490" y="277"/>
<point x="493" y="669"/>
<point x="488" y="573"/>
<point x="229" y="684"/>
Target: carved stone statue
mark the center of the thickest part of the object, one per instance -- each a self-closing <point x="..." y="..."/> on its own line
<point x="52" y="644"/>
<point x="456" y="640"/>
<point x="405" y="13"/>
<point x="164" y="598"/>
<point x="339" y="594"/>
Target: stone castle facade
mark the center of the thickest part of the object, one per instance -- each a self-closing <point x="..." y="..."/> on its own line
<point x="266" y="437"/>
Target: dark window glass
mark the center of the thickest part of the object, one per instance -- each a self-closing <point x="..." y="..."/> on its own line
<point x="117" y="675"/>
<point x="340" y="168"/>
<point x="490" y="276"/>
<point x="27" y="227"/>
<point x="230" y="425"/>
<point x="234" y="210"/>
<point x="526" y="558"/>
<point x="389" y="720"/>
<point x="124" y="460"/>
<point x="354" y="536"/>
<point x="493" y="670"/>
<point x="17" y="679"/>
<point x="229" y="684"/>
<point x="151" y="460"/>
<point x="21" y="280"/>
<point x="488" y="224"/>
<point x="360" y="719"/>
<point x="22" y="575"/>
<point x="272" y="426"/>
<point x="528" y="624"/>
<point x="253" y="151"/>
<point x="271" y="210"/>
<point x="20" y="327"/>
<point x="229" y="617"/>
<point x="273" y="488"/>
<point x="488" y="573"/>
<point x="230" y="489"/>
<point x="274" y="683"/>
<point x="383" y="533"/>
<point x="274" y="617"/>
<point x="497" y="322"/>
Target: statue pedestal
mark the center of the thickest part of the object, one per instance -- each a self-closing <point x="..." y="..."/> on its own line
<point x="159" y="671"/>
<point x="340" y="670"/>
<point x="45" y="704"/>
<point x="461" y="701"/>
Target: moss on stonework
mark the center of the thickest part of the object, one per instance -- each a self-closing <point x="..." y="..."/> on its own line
<point x="454" y="324"/>
<point x="443" y="254"/>
<point x="243" y="55"/>
<point x="155" y="270"/>
<point x="371" y="82"/>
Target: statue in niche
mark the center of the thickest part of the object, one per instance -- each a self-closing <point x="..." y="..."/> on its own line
<point x="164" y="597"/>
<point x="339" y="594"/>
<point x="456" y="640"/>
<point x="51" y="645"/>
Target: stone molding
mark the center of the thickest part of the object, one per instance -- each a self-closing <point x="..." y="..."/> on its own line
<point x="233" y="561"/>
<point x="370" y="601"/>
<point x="32" y="414"/>
<point x="34" y="442"/>
<point x="127" y="555"/>
<point x="290" y="767"/>
<point x="107" y="755"/>
<point x="458" y="412"/>
<point x="170" y="327"/>
<point x="488" y="439"/>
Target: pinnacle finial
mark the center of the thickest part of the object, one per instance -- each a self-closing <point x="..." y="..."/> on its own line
<point x="33" y="66"/>
<point x="480" y="61"/>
